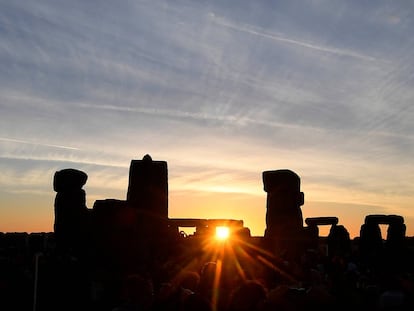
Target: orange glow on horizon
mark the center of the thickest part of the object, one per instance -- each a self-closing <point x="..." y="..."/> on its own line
<point x="38" y="215"/>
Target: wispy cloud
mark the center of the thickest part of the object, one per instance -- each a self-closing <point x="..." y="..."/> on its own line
<point x="200" y="116"/>
<point x="251" y="30"/>
<point x="26" y="142"/>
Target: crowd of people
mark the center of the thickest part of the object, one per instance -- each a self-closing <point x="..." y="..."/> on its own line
<point x="316" y="282"/>
<point x="235" y="279"/>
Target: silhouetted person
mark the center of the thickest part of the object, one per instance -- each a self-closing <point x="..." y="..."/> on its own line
<point x="249" y="296"/>
<point x="174" y="296"/>
<point x="284" y="221"/>
<point x="137" y="294"/>
<point x="208" y="281"/>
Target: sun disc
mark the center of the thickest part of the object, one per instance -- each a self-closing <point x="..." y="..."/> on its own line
<point x="222" y="233"/>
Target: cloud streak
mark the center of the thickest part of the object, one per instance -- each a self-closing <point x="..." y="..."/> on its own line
<point x="250" y="30"/>
<point x="19" y="141"/>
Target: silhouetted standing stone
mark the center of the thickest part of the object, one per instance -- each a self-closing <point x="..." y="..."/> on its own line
<point x="70" y="208"/>
<point x="374" y="251"/>
<point x="148" y="186"/>
<point x="395" y="245"/>
<point x="284" y="198"/>
<point x="117" y="239"/>
<point x="311" y="232"/>
<point x="370" y="244"/>
<point x="284" y="221"/>
<point x="339" y="242"/>
<point x="396" y="232"/>
<point x="69" y="180"/>
<point x="148" y="194"/>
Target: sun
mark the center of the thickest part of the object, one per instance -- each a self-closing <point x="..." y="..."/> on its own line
<point x="222" y="233"/>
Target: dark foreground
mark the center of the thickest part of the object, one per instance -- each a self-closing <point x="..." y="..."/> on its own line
<point x="203" y="275"/>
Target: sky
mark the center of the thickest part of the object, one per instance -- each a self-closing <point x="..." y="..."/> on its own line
<point x="222" y="91"/>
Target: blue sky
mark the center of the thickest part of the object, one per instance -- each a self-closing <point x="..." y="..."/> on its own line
<point x="221" y="90"/>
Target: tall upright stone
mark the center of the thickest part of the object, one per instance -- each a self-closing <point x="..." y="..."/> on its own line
<point x="395" y="244"/>
<point x="148" y="187"/>
<point x="70" y="208"/>
<point x="284" y="220"/>
<point x="395" y="233"/>
<point x="148" y="194"/>
<point x="370" y="243"/>
<point x="339" y="242"/>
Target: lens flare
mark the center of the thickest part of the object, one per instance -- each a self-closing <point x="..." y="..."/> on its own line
<point x="222" y="233"/>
